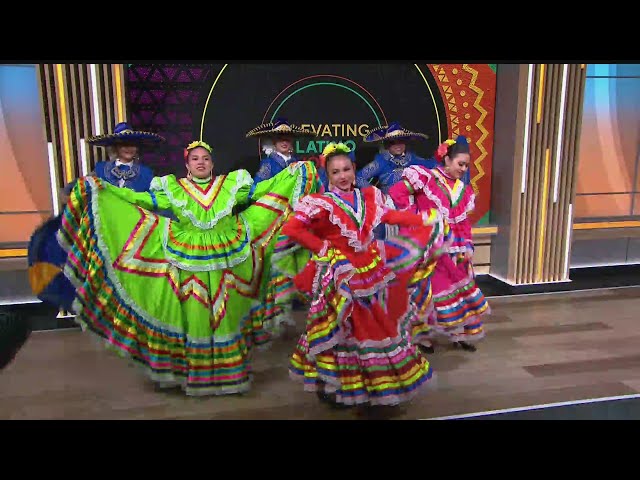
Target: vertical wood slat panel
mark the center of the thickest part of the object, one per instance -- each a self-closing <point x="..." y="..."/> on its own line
<point x="85" y="109"/>
<point x="571" y="132"/>
<point x="107" y="101"/>
<point x="100" y="111"/>
<point x="578" y="101"/>
<point x="538" y="186"/>
<point x="537" y="171"/>
<point x="119" y="92"/>
<point x="103" y="112"/>
<point x="520" y="214"/>
<point x="97" y="115"/>
<point x="521" y="161"/>
<point x="559" y="206"/>
<point x="544" y="225"/>
<point x="125" y="91"/>
<point x="75" y="118"/>
<point x="46" y="93"/>
<point x="555" y="231"/>
<point x="555" y="217"/>
<point x="525" y="204"/>
<point x="567" y="169"/>
<point x="54" y="126"/>
<point x="579" y="93"/>
<point x="553" y="124"/>
<point x="563" y="202"/>
<point x="44" y="87"/>
<point x="526" y="225"/>
<point x="91" y="127"/>
<point x="62" y="114"/>
<point x="542" y="197"/>
<point x="70" y="111"/>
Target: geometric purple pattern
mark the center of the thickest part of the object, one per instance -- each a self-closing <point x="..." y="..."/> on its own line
<point x="163" y="98"/>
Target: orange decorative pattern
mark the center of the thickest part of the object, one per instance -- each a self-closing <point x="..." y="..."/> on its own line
<point x="468" y="92"/>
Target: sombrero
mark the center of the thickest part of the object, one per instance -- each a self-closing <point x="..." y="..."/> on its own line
<point x="392" y="132"/>
<point x="123" y="133"/>
<point x="279" y="127"/>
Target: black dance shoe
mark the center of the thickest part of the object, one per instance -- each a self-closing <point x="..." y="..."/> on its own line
<point x="426" y="350"/>
<point x="465" y="346"/>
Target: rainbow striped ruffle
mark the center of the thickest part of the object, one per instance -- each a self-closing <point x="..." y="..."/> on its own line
<point x="378" y="371"/>
<point x="454" y="312"/>
<point x="183" y="327"/>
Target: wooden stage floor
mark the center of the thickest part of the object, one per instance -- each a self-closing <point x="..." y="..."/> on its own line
<point x="539" y="349"/>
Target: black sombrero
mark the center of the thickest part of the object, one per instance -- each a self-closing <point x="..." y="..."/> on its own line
<point x="279" y="127"/>
<point x="392" y="132"/>
<point x="123" y="133"/>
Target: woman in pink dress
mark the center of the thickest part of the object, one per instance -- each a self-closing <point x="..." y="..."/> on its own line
<point x="449" y="301"/>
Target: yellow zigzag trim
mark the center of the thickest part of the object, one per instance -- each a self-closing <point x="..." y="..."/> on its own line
<point x="485" y="133"/>
<point x="448" y="93"/>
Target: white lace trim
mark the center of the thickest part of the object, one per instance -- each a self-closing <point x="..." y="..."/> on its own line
<point x="311" y="206"/>
<point x="325" y="247"/>
<point x="413" y="175"/>
<point x="243" y="179"/>
<point x="108" y="265"/>
<point x="458" y="249"/>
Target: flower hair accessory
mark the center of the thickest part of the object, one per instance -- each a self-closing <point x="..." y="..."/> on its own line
<point x="334" y="148"/>
<point x="443" y="148"/>
<point x="197" y="143"/>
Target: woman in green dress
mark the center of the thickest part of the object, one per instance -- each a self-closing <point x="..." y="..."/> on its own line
<point x="176" y="296"/>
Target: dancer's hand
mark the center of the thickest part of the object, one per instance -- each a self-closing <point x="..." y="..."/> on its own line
<point x="430" y="217"/>
<point x="468" y="255"/>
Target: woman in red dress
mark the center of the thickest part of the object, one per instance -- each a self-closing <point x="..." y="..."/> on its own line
<point x="357" y="347"/>
<point x="456" y="305"/>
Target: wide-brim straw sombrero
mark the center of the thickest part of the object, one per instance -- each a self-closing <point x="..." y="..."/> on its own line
<point x="392" y="132"/>
<point x="279" y="127"/>
<point x="123" y="133"/>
